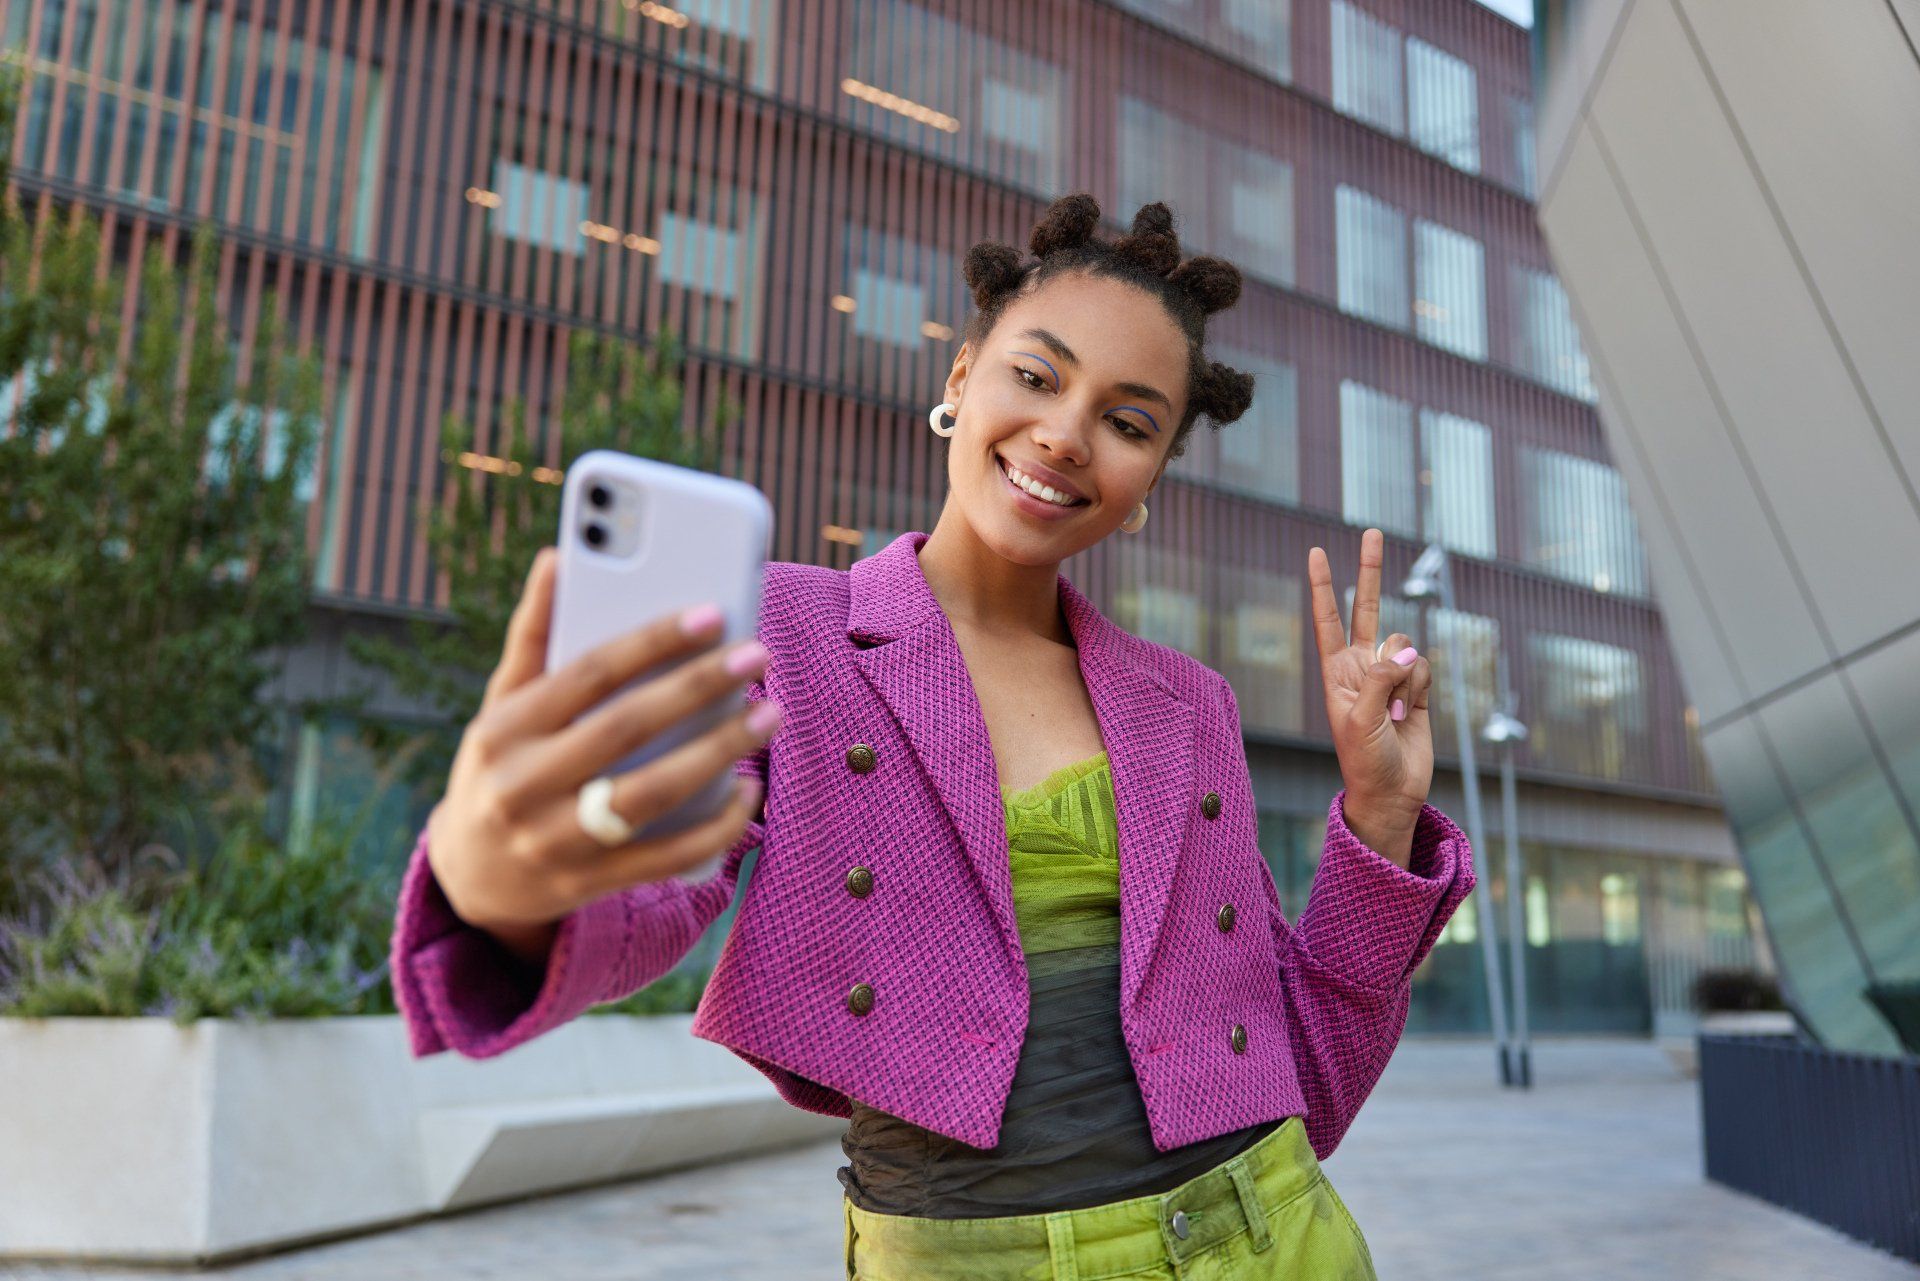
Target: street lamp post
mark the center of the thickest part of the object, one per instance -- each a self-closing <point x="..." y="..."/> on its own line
<point x="1432" y="578"/>
<point x="1503" y="730"/>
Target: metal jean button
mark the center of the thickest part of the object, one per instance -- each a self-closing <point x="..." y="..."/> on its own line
<point x="1181" y="1228"/>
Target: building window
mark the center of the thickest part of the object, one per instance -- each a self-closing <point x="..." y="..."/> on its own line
<point x="1261" y="452"/>
<point x="715" y="254"/>
<point x="1577" y="522"/>
<point x="1367" y="69"/>
<point x="699" y="255"/>
<point x="729" y="37"/>
<point x="1450" y="284"/>
<point x="1588" y="704"/>
<point x="1160" y="597"/>
<point x="1376" y="460"/>
<point x="1443" y="105"/>
<point x="1547" y="344"/>
<point x="1260" y="32"/>
<point x="946" y="89"/>
<point x="1233" y="200"/>
<point x="1261" y="636"/>
<point x="540" y="208"/>
<point x="1456" y="475"/>
<point x="1520" y="131"/>
<point x="1474" y="640"/>
<point x="1371" y="250"/>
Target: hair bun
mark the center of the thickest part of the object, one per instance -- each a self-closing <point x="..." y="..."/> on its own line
<point x="1153" y="244"/>
<point x="1212" y="282"/>
<point x="1222" y="393"/>
<point x="1068" y="223"/>
<point x="992" y="269"/>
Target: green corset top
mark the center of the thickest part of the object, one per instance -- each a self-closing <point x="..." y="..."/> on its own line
<point x="1064" y="844"/>
<point x="1074" y="1132"/>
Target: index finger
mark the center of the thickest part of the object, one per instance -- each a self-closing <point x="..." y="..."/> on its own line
<point x="524" y="656"/>
<point x="1329" y="633"/>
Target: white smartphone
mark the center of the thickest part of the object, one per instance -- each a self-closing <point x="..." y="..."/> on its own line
<point x="640" y="539"/>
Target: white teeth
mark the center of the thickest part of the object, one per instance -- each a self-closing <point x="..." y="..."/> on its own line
<point x="1046" y="493"/>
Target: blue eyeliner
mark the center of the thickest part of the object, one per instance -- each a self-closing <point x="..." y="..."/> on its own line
<point x="1143" y="413"/>
<point x="1043" y="360"/>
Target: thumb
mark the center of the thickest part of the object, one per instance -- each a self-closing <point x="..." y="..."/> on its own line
<point x="524" y="656"/>
<point x="1376" y="689"/>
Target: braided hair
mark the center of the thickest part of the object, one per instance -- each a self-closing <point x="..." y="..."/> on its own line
<point x="1149" y="259"/>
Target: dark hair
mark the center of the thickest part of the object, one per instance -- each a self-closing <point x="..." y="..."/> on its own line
<point x="1149" y="259"/>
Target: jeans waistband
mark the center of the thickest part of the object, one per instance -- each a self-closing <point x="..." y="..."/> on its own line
<point x="1236" y="1195"/>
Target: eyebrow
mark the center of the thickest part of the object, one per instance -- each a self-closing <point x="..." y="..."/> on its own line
<point x="1060" y="349"/>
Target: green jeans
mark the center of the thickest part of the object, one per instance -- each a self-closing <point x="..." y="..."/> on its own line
<point x="1269" y="1212"/>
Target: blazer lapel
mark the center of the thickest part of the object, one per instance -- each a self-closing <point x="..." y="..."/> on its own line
<point x="915" y="665"/>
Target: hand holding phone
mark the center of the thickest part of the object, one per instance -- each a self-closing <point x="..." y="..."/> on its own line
<point x="639" y="698"/>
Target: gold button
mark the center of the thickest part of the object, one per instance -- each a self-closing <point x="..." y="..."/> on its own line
<point x="1225" y="919"/>
<point x="1210" y="804"/>
<point x="1239" y="1039"/>
<point x="860" y="1000"/>
<point x="860" y="758"/>
<point x="860" y="882"/>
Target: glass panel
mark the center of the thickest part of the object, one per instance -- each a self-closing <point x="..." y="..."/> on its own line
<point x="1376" y="460"/>
<point x="1234" y="201"/>
<point x="1456" y="475"/>
<point x="1443" y="105"/>
<point x="944" y="88"/>
<point x="1577" y="523"/>
<point x="1586" y="707"/>
<point x="1160" y="598"/>
<point x="1450" y="302"/>
<point x="540" y="208"/>
<point x="1371" y="248"/>
<point x="1476" y="639"/>
<point x="1261" y="655"/>
<point x="1260" y="453"/>
<point x="1547" y="344"/>
<point x="1367" y="68"/>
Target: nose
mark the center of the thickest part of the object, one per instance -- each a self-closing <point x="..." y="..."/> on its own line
<point x="1063" y="435"/>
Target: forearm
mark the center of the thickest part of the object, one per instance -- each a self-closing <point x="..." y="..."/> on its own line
<point x="1385" y="832"/>
<point x="530" y="943"/>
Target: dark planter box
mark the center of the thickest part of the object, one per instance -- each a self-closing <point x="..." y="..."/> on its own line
<point x="1833" y="1136"/>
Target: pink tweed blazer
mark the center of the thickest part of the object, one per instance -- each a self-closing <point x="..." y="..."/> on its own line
<point x="866" y="656"/>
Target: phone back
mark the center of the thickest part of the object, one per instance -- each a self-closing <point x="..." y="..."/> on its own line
<point x="668" y="538"/>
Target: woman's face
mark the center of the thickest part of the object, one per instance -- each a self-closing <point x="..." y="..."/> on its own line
<point x="1079" y="386"/>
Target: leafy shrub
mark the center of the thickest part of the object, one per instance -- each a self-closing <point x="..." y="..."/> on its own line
<point x="257" y="930"/>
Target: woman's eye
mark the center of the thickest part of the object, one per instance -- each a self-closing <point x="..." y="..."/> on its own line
<point x="1038" y="381"/>
<point x="1128" y="425"/>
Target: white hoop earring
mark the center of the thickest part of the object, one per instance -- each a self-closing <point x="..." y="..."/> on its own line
<point x="933" y="419"/>
<point x="1135" y="519"/>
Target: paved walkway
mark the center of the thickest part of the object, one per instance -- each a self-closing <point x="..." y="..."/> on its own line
<point x="1593" y="1174"/>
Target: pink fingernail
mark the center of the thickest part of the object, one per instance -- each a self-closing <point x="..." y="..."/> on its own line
<point x="1406" y="656"/>
<point x="1399" y="710"/>
<point x="746" y="658"/>
<point x="700" y="618"/>
<point x="764" y="718"/>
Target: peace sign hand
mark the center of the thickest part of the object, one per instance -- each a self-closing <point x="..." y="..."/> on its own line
<point x="1387" y="763"/>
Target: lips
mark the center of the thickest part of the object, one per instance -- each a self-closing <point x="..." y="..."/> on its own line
<point x="1078" y="501"/>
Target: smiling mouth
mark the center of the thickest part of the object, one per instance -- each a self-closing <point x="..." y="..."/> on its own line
<point x="1002" y="464"/>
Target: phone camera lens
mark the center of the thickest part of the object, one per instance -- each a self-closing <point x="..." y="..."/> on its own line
<point x="596" y="534"/>
<point x="599" y="496"/>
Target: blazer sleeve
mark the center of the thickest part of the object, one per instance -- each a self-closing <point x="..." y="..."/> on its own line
<point x="458" y="988"/>
<point x="1347" y="962"/>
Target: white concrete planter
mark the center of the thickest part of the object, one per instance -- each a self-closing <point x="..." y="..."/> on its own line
<point x="137" y="1140"/>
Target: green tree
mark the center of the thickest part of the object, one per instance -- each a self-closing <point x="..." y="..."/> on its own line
<point x="152" y="540"/>
<point x="501" y="508"/>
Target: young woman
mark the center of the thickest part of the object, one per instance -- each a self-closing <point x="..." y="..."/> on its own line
<point x="1010" y="915"/>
